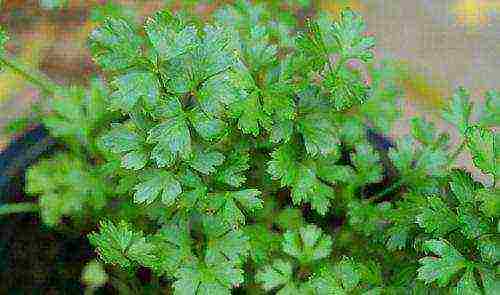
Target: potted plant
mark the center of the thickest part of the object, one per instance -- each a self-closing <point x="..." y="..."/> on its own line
<point x="232" y="156"/>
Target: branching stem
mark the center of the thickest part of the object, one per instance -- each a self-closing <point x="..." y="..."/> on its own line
<point x="18" y="208"/>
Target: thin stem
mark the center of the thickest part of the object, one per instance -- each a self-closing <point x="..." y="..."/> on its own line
<point x="18" y="208"/>
<point x="31" y="75"/>
<point x="457" y="152"/>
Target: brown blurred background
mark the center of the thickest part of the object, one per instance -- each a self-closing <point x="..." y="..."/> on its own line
<point x="441" y="44"/>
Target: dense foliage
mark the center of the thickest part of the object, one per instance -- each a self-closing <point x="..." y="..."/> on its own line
<point x="236" y="156"/>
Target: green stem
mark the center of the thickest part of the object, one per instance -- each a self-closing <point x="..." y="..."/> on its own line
<point x="36" y="78"/>
<point x="457" y="152"/>
<point x="18" y="208"/>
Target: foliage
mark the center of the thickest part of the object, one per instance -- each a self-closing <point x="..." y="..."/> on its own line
<point x="232" y="155"/>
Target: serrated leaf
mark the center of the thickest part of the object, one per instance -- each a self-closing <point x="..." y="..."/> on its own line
<point x="350" y="38"/>
<point x="320" y="135"/>
<point x="121" y="245"/>
<point x="168" y="36"/>
<point x="467" y="285"/>
<point x="173" y="134"/>
<point x="471" y="225"/>
<point x="209" y="128"/>
<point x="206" y="279"/>
<point x="115" y="45"/>
<point x="339" y="279"/>
<point x="251" y="117"/>
<point x="224" y="243"/>
<point x="347" y="88"/>
<point x="133" y="87"/>
<point x="264" y="243"/>
<point x="232" y="171"/>
<point x="436" y="217"/>
<point x="459" y="110"/>
<point x="225" y="204"/>
<point x="172" y="247"/>
<point x="443" y="267"/>
<point x="490" y="116"/>
<point x="162" y="184"/>
<point x="367" y="163"/>
<point x="279" y="274"/>
<point x="482" y="145"/>
<point x="206" y="161"/>
<point x="489" y="248"/>
<point x="308" y="244"/>
<point x="123" y="141"/>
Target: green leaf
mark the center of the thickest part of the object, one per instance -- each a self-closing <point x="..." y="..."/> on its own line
<point x="459" y="110"/>
<point x="274" y="276"/>
<point x="225" y="204"/>
<point x="490" y="116"/>
<point x="490" y="249"/>
<point x="264" y="243"/>
<point x="463" y="186"/>
<point x="341" y="278"/>
<point x="441" y="268"/>
<point x="67" y="186"/>
<point x="467" y="285"/>
<point x="206" y="279"/>
<point x="471" y="225"/>
<point x="320" y="135"/>
<point x="206" y="161"/>
<point x="121" y="140"/>
<point x="121" y="245"/>
<point x="367" y="163"/>
<point x="250" y="114"/>
<point x="258" y="52"/>
<point x="347" y="88"/>
<point x="94" y="275"/>
<point x="168" y="36"/>
<point x="173" y="134"/>
<point x="490" y="202"/>
<point x="423" y="130"/>
<point x="485" y="153"/>
<point x="133" y="87"/>
<point x="436" y="217"/>
<point x="232" y="171"/>
<point x="172" y="247"/>
<point x="115" y="45"/>
<point x="159" y="183"/>
<point x="306" y="187"/>
<point x="224" y="243"/>
<point x="350" y="38"/>
<point x="209" y="128"/>
<point x="308" y="244"/>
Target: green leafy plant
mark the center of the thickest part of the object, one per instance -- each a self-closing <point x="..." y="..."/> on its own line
<point x="233" y="156"/>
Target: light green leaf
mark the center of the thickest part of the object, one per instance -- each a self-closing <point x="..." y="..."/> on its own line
<point x="224" y="243"/>
<point x="115" y="45"/>
<point x="172" y="134"/>
<point x="232" y="171"/>
<point x="308" y="244"/>
<point x="436" y="217"/>
<point x="467" y="285"/>
<point x="279" y="274"/>
<point x="320" y="135"/>
<point x="132" y="87"/>
<point x="121" y="245"/>
<point x="168" y="36"/>
<point x="225" y="204"/>
<point x="160" y="183"/>
<point x="459" y="110"/>
<point x="485" y="153"/>
<point x="443" y="267"/>
<point x="206" y="161"/>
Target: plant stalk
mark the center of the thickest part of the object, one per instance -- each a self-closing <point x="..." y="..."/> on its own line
<point x="19" y="208"/>
<point x="31" y="75"/>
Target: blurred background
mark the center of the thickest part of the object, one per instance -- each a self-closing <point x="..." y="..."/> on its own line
<point x="438" y="44"/>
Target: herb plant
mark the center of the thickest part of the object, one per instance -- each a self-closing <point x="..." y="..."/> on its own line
<point x="235" y="156"/>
